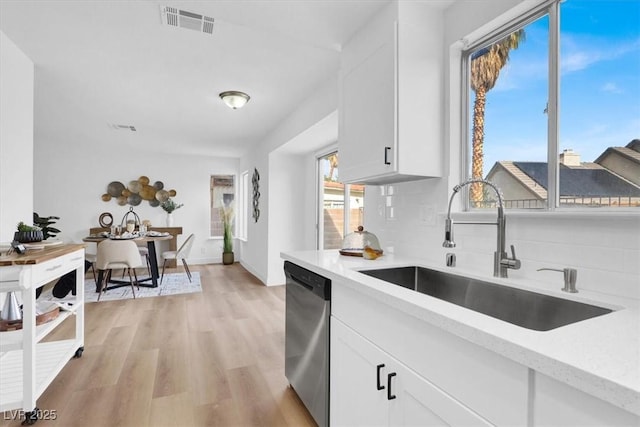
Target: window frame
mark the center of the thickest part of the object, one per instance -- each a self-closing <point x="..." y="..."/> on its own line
<point x="552" y="9"/>
<point x="212" y="201"/>
<point x="242" y="190"/>
<point x="318" y="156"/>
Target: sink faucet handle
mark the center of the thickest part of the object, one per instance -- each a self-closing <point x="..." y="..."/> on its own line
<point x="512" y="263"/>
<point x="513" y="252"/>
<point x="515" y="260"/>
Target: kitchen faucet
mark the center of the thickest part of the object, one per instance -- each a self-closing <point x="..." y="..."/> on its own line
<point x="501" y="261"/>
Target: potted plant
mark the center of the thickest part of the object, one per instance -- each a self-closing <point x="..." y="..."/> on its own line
<point x="27" y="233"/>
<point x="227" y="245"/>
<point x="45" y="222"/>
<point x="169" y="206"/>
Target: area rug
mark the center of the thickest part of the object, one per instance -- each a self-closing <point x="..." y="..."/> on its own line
<point x="172" y="284"/>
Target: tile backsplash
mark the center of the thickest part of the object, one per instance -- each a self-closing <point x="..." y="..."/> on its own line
<point x="408" y="218"/>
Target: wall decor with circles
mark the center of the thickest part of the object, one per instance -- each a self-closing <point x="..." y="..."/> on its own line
<point x="136" y="191"/>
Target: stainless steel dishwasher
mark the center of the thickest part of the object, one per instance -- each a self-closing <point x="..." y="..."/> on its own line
<point x="308" y="307"/>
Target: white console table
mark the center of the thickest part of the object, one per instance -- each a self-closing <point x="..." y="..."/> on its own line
<point x="27" y="365"/>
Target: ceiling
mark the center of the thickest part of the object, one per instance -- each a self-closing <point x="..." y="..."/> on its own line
<point x="100" y="63"/>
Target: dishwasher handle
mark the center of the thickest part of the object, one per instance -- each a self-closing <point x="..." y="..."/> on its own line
<point x="301" y="282"/>
<point x="309" y="280"/>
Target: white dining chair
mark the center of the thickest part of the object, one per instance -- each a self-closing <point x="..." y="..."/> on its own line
<point x="144" y="252"/>
<point x="113" y="254"/>
<point x="182" y="253"/>
<point x="92" y="258"/>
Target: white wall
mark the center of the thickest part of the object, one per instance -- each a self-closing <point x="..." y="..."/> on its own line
<point x="16" y="138"/>
<point x="260" y="256"/>
<point x="255" y="248"/>
<point x="69" y="180"/>
<point x="286" y="212"/>
<point x="71" y="170"/>
<point x="64" y="173"/>
<point x="605" y="248"/>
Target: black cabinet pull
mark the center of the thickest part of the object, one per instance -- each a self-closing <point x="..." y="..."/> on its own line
<point x="378" y="368"/>
<point x="386" y="155"/>
<point x="389" y="395"/>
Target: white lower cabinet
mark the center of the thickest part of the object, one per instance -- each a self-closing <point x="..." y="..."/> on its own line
<point x="466" y="377"/>
<point x="371" y="388"/>
<point x="389" y="367"/>
<point x="558" y="404"/>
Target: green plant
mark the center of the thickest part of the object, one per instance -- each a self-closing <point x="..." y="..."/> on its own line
<point x="24" y="227"/>
<point x="44" y="223"/>
<point x="227" y="222"/>
<point x="169" y="205"/>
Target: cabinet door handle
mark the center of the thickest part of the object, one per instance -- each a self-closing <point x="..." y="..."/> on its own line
<point x="378" y="368"/>
<point x="389" y="395"/>
<point x="386" y="155"/>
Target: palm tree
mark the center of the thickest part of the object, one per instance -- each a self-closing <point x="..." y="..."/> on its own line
<point x="333" y="163"/>
<point x="485" y="69"/>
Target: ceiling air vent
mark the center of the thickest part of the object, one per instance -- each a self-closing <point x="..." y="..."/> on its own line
<point x="181" y="18"/>
<point x="122" y="127"/>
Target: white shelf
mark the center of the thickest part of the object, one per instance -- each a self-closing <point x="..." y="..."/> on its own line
<point x="10" y="285"/>
<point x="13" y="340"/>
<point x="28" y="366"/>
<point x="51" y="358"/>
<point x="10" y="278"/>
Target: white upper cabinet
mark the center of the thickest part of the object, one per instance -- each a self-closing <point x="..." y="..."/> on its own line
<point x="390" y="117"/>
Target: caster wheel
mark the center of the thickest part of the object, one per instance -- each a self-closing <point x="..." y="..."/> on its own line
<point x="78" y="352"/>
<point x="31" y="417"/>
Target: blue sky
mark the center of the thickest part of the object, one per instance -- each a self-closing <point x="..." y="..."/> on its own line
<point x="600" y="85"/>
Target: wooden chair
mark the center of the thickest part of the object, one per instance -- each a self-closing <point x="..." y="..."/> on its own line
<point x="182" y="253"/>
<point x="114" y="254"/>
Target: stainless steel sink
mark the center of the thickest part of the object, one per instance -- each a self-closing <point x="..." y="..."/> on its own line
<point x="523" y="308"/>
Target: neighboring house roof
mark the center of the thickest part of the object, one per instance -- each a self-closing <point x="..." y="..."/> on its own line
<point x="587" y="180"/>
<point x="338" y="185"/>
<point x="520" y="176"/>
<point x="631" y="152"/>
<point x="634" y="145"/>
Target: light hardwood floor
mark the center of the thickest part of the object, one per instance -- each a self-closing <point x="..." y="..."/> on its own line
<point x="214" y="358"/>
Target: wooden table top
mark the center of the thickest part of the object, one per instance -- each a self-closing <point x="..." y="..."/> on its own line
<point x="37" y="256"/>
<point x="98" y="239"/>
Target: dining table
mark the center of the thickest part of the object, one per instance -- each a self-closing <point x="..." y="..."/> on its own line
<point x="150" y="241"/>
<point x="173" y="243"/>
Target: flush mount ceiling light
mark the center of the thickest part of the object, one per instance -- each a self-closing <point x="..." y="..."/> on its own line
<point x="234" y="99"/>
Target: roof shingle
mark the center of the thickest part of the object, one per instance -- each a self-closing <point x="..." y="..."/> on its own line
<point x="581" y="182"/>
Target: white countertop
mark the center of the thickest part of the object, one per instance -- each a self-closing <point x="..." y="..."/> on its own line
<point x="599" y="356"/>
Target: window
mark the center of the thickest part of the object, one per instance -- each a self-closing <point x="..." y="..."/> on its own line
<point x="553" y="120"/>
<point x="341" y="206"/>
<point x="222" y="191"/>
<point x="243" y="206"/>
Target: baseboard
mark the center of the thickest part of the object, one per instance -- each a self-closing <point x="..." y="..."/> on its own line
<point x="253" y="272"/>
